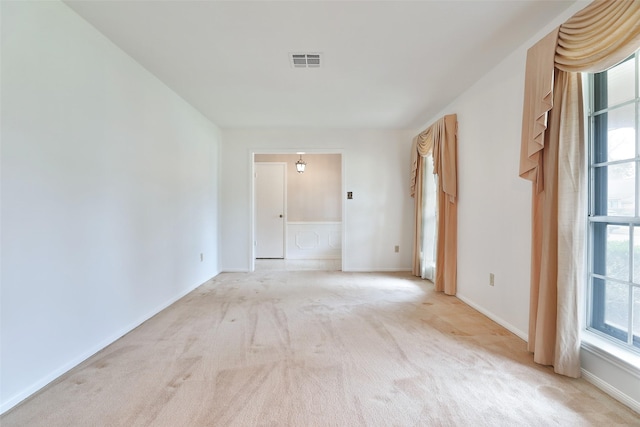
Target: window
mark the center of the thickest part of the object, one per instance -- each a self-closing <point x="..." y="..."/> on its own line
<point x="614" y="203"/>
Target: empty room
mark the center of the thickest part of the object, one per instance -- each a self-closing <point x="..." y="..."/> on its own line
<point x="319" y="213"/>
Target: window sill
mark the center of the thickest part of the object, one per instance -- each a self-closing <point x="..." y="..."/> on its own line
<point x="624" y="359"/>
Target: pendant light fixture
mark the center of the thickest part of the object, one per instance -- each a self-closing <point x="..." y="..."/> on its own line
<point x="300" y="164"/>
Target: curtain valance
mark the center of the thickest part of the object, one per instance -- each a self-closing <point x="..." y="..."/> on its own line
<point x="594" y="39"/>
<point x="422" y="147"/>
<point x="599" y="36"/>
<point x="437" y="140"/>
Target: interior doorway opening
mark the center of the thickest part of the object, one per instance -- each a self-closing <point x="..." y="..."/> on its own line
<point x="308" y="223"/>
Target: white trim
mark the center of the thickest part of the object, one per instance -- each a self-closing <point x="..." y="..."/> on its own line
<point x="614" y="355"/>
<point x="38" y="385"/>
<point x="500" y="321"/>
<point x="343" y="187"/>
<point x="378" y="270"/>
<point x="314" y="222"/>
<point x="252" y="209"/>
<point x="611" y="391"/>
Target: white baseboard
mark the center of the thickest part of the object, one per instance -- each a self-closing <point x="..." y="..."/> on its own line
<point x="33" y="388"/>
<point x="498" y="320"/>
<point x="611" y="391"/>
<point x="377" y="270"/>
<point x="588" y="376"/>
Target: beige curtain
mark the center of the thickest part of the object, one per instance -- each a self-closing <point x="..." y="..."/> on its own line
<point x="552" y="157"/>
<point x="440" y="140"/>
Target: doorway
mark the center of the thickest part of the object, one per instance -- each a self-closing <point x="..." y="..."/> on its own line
<point x="312" y="222"/>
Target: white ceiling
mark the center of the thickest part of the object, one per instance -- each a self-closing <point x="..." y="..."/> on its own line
<point x="386" y="64"/>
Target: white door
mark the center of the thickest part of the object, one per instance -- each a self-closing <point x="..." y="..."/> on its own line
<point x="270" y="209"/>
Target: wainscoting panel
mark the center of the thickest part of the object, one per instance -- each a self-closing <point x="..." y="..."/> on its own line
<point x="314" y="240"/>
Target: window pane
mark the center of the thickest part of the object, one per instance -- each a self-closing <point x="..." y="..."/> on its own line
<point x="618" y="252"/>
<point x="621" y="134"/>
<point x="619" y="80"/>
<point x="615" y="135"/>
<point x="636" y="255"/>
<point x="621" y="189"/>
<point x="616" y="306"/>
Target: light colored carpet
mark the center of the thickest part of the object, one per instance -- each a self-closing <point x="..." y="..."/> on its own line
<point x="312" y="348"/>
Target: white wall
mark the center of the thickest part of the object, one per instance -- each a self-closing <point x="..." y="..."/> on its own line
<point x="376" y="170"/>
<point x="494" y="202"/>
<point x="109" y="195"/>
<point x="494" y="207"/>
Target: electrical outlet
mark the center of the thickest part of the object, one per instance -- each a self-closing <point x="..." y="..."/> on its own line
<point x="201" y="257"/>
<point x="492" y="279"/>
<point x="397" y="249"/>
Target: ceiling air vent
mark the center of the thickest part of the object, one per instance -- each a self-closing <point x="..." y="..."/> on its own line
<point x="305" y="60"/>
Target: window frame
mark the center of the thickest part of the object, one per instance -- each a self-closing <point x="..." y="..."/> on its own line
<point x="598" y="216"/>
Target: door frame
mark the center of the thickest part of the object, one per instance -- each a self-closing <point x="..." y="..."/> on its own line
<point x="252" y="211"/>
